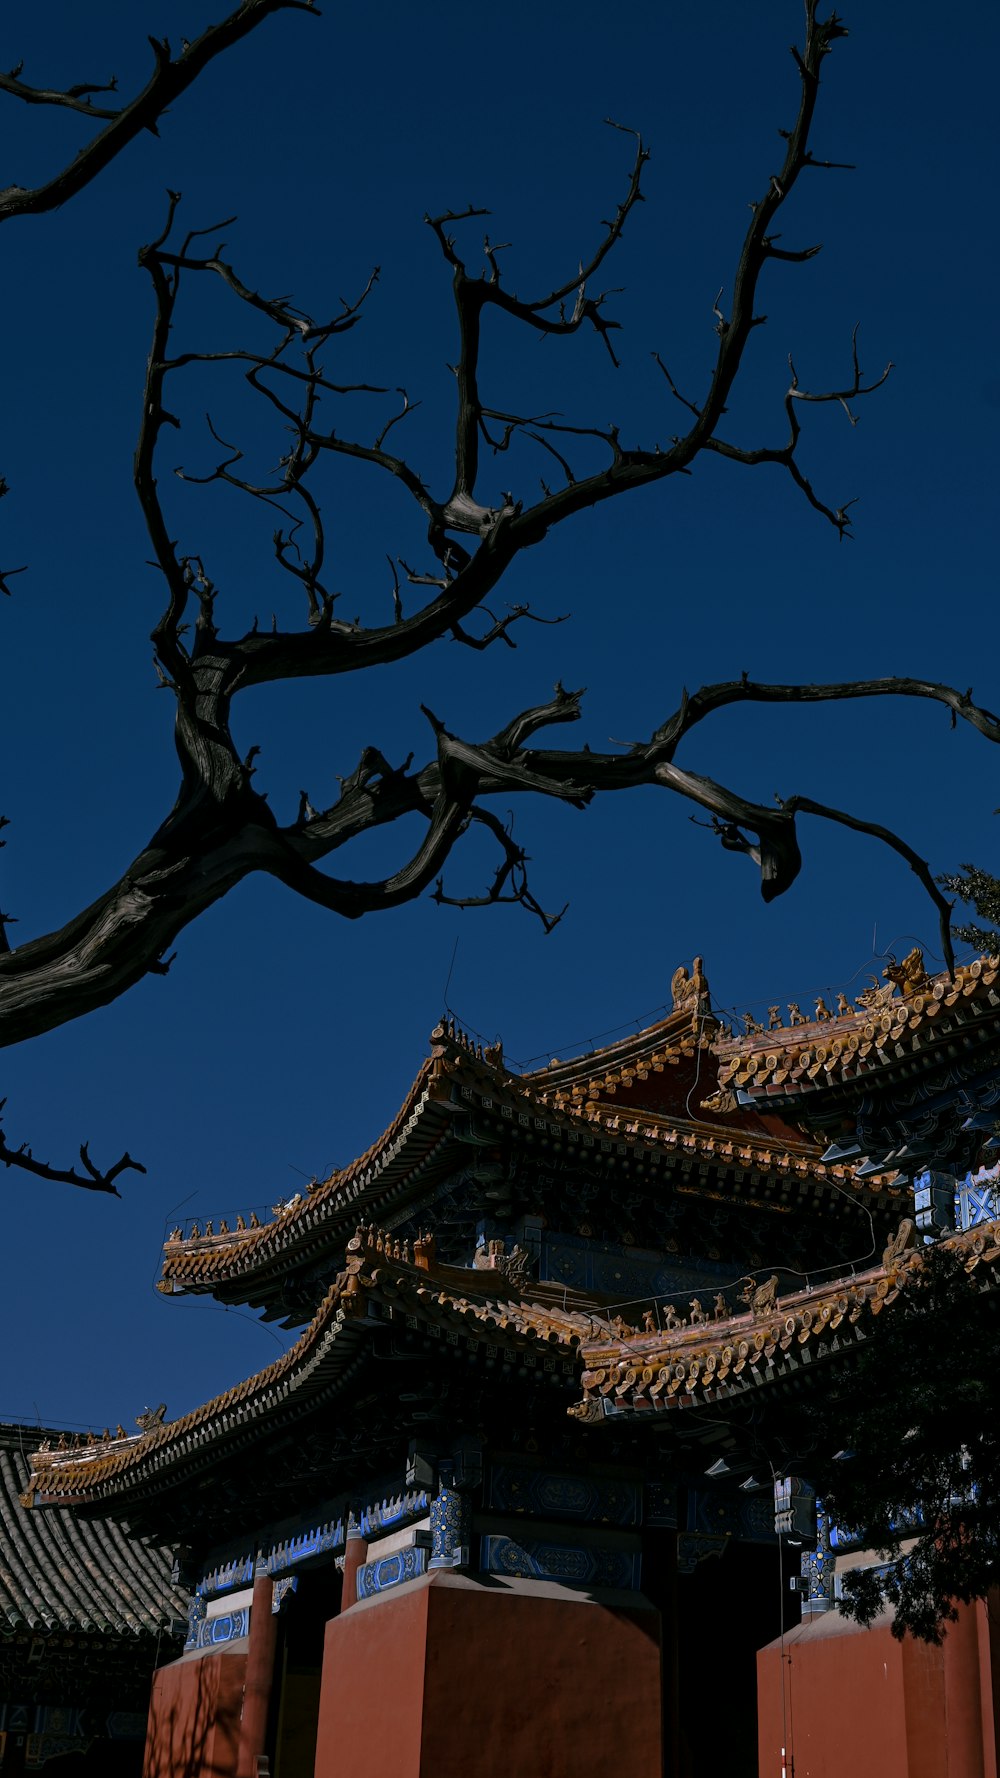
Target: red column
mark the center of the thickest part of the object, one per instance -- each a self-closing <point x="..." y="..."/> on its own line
<point x="260" y="1675"/>
<point x="355" y="1554"/>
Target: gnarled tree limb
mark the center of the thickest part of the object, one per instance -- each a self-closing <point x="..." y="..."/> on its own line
<point x="91" y="1179"/>
<point x="221" y="831"/>
<point x="171" y="76"/>
<point x="221" y="828"/>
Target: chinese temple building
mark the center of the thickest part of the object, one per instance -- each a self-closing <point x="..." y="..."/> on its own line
<point x="502" y="1507"/>
<point x="87" y="1611"/>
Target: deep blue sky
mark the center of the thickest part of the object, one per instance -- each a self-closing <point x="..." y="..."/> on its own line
<point x="282" y="1040"/>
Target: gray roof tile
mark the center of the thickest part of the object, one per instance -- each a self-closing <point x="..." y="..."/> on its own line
<point x="61" y="1572"/>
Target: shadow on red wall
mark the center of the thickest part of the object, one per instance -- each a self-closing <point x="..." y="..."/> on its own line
<point x="194" y="1718"/>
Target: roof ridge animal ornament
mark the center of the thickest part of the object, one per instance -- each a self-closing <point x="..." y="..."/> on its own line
<point x="879" y="994"/>
<point x="910" y="976"/>
<point x="760" y="1299"/>
<point x="903" y="1241"/>
<point x="691" y="993"/>
<point x="492" y="1256"/>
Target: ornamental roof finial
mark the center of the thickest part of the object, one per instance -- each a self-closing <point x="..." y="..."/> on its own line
<point x="691" y="993"/>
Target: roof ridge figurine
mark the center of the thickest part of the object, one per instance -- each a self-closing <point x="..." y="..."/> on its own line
<point x="691" y="993"/>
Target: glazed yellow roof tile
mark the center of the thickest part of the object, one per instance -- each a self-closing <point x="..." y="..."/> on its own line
<point x="838" y="1049"/>
<point x="627" y="1058"/>
<point x="210" y="1255"/>
<point x="420" y="1129"/>
<point x="701" y="1357"/>
<point x="379" y="1268"/>
<point x="677" y="1361"/>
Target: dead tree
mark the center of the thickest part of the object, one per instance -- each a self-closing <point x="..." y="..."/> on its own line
<point x="221" y="828"/>
<point x="122" y="123"/>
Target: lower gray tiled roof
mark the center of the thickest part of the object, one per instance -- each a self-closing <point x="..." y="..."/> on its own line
<point x="64" y="1574"/>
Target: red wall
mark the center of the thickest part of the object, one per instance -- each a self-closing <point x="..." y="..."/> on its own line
<point x="859" y="1702"/>
<point x="194" y="1718"/>
<point x="452" y="1677"/>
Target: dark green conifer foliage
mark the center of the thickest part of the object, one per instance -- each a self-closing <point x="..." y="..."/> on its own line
<point x="978" y="889"/>
<point x="919" y="1411"/>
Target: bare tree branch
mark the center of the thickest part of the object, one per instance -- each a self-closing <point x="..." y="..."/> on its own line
<point x="499" y="630"/>
<point x="510" y="880"/>
<point x="6" y="573"/>
<point x="90" y="1179"/>
<point x="221" y="828"/>
<point x="170" y="78"/>
<point x="329" y="646"/>
<point x="76" y="98"/>
<point x="807" y="806"/>
<point x="785" y="456"/>
<point x="212" y="841"/>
